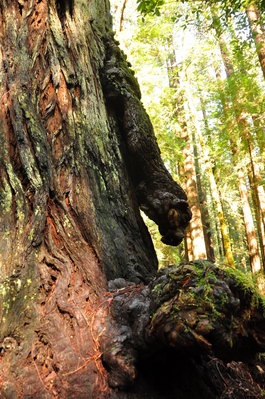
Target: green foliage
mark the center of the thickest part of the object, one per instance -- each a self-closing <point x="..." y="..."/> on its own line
<point x="229" y="7"/>
<point x="150" y="6"/>
<point x="166" y="255"/>
<point x="248" y="285"/>
<point x="178" y="55"/>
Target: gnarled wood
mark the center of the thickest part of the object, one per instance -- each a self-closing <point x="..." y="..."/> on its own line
<point x="192" y="310"/>
<point x="69" y="209"/>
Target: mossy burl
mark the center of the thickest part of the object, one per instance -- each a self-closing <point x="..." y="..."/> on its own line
<point x="119" y="79"/>
<point x="194" y="284"/>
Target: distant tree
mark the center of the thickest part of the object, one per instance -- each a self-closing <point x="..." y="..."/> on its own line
<point x="258" y="32"/>
<point x="242" y="125"/>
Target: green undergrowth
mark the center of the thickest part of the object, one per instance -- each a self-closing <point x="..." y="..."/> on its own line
<point x="245" y="285"/>
<point x="248" y="285"/>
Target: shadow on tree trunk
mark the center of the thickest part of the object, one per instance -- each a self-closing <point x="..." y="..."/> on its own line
<point x="193" y="332"/>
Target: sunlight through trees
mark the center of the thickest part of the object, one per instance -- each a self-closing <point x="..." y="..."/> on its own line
<point x="201" y="66"/>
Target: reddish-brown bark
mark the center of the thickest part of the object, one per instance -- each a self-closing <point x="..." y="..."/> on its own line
<point x="257" y="29"/>
<point x="78" y="156"/>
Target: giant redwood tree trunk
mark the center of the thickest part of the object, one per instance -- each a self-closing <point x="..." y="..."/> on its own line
<point x="82" y="313"/>
<point x="78" y="157"/>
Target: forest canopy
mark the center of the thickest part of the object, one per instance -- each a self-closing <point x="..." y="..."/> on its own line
<point x="229" y="7"/>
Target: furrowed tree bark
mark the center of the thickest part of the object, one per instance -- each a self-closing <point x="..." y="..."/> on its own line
<point x="82" y="312"/>
<point x="77" y="156"/>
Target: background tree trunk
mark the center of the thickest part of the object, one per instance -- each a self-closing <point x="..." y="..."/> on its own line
<point x="258" y="213"/>
<point x="223" y="224"/>
<point x="196" y="228"/>
<point x="242" y="125"/>
<point x="249" y="225"/>
<point x="257" y="29"/>
<point x="193" y="185"/>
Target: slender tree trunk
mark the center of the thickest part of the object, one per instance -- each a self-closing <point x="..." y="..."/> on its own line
<point x="119" y="16"/>
<point x="242" y="124"/>
<point x="220" y="240"/>
<point x="229" y="69"/>
<point x="207" y="231"/>
<point x="259" y="198"/>
<point x="195" y="226"/>
<point x="258" y="32"/>
<point x="193" y="186"/>
<point x="206" y="219"/>
<point x="188" y="241"/>
<point x="218" y="203"/>
<point x="223" y="225"/>
<point x="188" y="245"/>
<point x="203" y="205"/>
<point x="247" y="213"/>
<point x="217" y="200"/>
<point x="258" y="214"/>
<point x="249" y="225"/>
<point x="258" y="187"/>
<point x="196" y="229"/>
